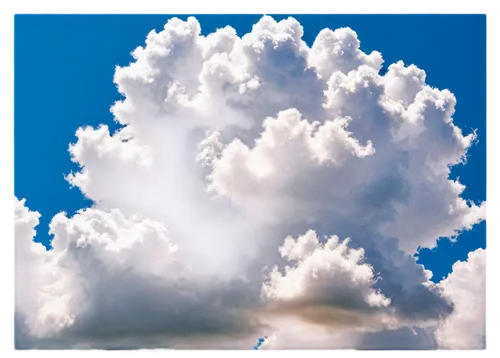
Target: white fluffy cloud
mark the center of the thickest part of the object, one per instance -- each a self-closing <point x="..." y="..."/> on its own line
<point x="110" y="279"/>
<point x="392" y="160"/>
<point x="338" y="50"/>
<point x="324" y="275"/>
<point x="328" y="289"/>
<point x="465" y="286"/>
<point x="492" y="300"/>
<point x="228" y="145"/>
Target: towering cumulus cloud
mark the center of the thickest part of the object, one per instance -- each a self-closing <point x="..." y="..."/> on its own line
<point x="258" y="187"/>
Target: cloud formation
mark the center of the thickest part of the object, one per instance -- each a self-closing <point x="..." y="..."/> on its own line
<point x="230" y="148"/>
<point x="465" y="286"/>
<point x="111" y="277"/>
<point x="329" y="275"/>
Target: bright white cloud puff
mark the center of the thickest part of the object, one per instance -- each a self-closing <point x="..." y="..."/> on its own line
<point x="230" y="145"/>
<point x="465" y="286"/>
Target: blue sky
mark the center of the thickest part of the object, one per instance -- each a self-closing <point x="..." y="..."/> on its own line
<point x="64" y="67"/>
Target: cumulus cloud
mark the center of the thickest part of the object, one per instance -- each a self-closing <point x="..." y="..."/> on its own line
<point x="229" y="145"/>
<point x="338" y="50"/>
<point x="465" y="286"/>
<point x="492" y="300"/>
<point x="288" y="149"/>
<point x="392" y="161"/>
<point x="327" y="291"/>
<point x="326" y="279"/>
<point x="492" y="279"/>
<point x="109" y="277"/>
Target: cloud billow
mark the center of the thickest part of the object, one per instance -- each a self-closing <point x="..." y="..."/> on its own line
<point x="220" y="203"/>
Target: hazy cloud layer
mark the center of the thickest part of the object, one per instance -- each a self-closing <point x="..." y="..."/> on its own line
<point x="223" y="205"/>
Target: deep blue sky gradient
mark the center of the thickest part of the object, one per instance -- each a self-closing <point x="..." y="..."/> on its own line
<point x="64" y="66"/>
